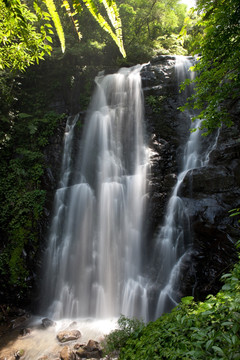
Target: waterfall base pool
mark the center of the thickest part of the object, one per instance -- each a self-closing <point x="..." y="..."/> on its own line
<point x="40" y="342"/>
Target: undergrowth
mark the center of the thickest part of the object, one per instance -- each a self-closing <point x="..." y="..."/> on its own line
<point x="192" y="330"/>
<point x="22" y="199"/>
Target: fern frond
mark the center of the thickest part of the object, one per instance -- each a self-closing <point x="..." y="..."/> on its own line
<point x="57" y="22"/>
<point x="114" y="18"/>
<point x="77" y="7"/>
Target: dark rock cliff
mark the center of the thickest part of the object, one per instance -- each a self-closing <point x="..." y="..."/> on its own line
<point x="208" y="192"/>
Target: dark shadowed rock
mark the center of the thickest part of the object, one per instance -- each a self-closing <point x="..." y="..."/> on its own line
<point x="46" y="323"/>
<point x="25" y="331"/>
<point x="19" y="321"/>
<point x="90" y="351"/>
<point x="92" y="345"/>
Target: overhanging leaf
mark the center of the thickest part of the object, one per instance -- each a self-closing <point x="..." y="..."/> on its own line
<point x="57" y="22"/>
<point x="114" y="18"/>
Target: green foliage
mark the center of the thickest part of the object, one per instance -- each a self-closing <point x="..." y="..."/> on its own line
<point x="22" y="40"/>
<point x="57" y="22"/>
<point x="105" y="12"/>
<point x="26" y="30"/>
<point x="217" y="84"/>
<point x="155" y="102"/>
<point x="169" y="44"/>
<point x="235" y="212"/>
<point x="204" y="330"/>
<point x="150" y="27"/>
<point x="113" y="15"/>
<point x="22" y="199"/>
<point x="77" y="8"/>
<point x="192" y="31"/>
<point x="117" y="339"/>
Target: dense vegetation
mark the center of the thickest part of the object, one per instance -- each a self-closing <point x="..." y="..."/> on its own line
<point x="25" y="30"/>
<point x="217" y="42"/>
<point x="151" y="27"/>
<point x="204" y="330"/>
<point x="22" y="201"/>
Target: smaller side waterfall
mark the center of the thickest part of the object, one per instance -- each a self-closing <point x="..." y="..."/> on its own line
<point x="174" y="240"/>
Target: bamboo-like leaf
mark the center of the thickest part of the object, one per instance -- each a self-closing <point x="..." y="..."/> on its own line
<point x="77" y="7"/>
<point x="57" y="22"/>
<point x="114" y="18"/>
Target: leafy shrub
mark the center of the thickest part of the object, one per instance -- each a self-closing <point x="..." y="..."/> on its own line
<point x="169" y="44"/>
<point x="22" y="200"/>
<point x="204" y="330"/>
<point x="118" y="338"/>
<point x="155" y="102"/>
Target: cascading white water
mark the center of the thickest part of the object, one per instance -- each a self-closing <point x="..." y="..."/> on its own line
<point x="174" y="239"/>
<point x="93" y="261"/>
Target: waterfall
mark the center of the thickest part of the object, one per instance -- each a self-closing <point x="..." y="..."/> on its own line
<point x="93" y="262"/>
<point x="174" y="240"/>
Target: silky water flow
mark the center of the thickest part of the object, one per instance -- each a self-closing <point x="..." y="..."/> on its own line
<point x="93" y="261"/>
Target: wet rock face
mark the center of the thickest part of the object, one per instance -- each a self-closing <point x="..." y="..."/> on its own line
<point x="208" y="193"/>
<point x="167" y="128"/>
